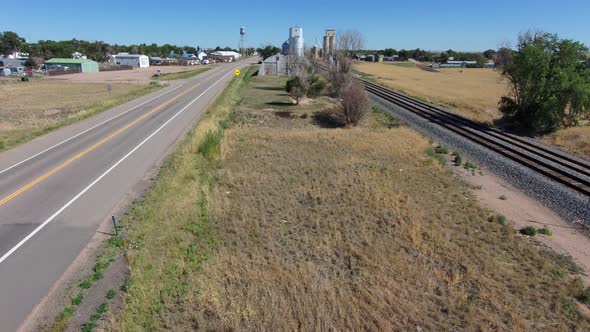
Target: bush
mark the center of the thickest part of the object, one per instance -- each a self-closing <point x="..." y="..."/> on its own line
<point x="316" y="86"/>
<point x="304" y="116"/>
<point x="500" y="219"/>
<point x="296" y="88"/>
<point x="211" y="144"/>
<point x="355" y="104"/>
<point x="458" y="158"/>
<point x="528" y="231"/>
<point x="441" y="149"/>
<point x="545" y="231"/>
<point x="470" y="165"/>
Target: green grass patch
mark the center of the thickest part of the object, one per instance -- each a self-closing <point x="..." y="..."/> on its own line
<point x="12" y="138"/>
<point x="182" y="75"/>
<point x="441" y="149"/>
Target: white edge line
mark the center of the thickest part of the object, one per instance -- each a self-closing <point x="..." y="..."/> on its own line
<point x="87" y="130"/>
<point x="58" y="212"/>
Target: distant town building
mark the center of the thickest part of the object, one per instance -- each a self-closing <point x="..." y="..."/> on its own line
<point x="79" y="65"/>
<point x="225" y="56"/>
<point x="133" y="60"/>
<point x="329" y="46"/>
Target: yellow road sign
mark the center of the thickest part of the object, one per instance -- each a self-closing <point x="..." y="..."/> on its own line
<point x="237" y="72"/>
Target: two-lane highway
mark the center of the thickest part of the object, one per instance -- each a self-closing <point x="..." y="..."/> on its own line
<point x="55" y="191"/>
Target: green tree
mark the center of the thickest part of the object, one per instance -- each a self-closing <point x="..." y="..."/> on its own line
<point x="296" y="88"/>
<point x="268" y="50"/>
<point x="489" y="54"/>
<point x="389" y="52"/>
<point x="10" y="42"/>
<point x="549" y="83"/>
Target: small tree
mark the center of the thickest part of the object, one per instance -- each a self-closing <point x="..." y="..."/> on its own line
<point x="296" y="88"/>
<point x="316" y="86"/>
<point x="549" y="83"/>
<point x="355" y="104"/>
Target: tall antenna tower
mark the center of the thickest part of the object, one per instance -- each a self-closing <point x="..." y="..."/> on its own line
<point x="243" y="51"/>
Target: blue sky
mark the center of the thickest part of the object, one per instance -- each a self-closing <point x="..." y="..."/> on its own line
<point x="432" y="25"/>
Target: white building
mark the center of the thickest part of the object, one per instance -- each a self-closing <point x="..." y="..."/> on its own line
<point x="133" y="60"/>
<point x="296" y="41"/>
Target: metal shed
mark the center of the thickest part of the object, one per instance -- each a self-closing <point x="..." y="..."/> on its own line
<point x="82" y="65"/>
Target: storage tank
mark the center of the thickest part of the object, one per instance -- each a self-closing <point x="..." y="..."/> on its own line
<point x="296" y="41"/>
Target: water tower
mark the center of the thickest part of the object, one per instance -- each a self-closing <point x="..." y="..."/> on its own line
<point x="243" y="41"/>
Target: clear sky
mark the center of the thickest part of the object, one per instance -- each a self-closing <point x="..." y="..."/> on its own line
<point x="431" y="25"/>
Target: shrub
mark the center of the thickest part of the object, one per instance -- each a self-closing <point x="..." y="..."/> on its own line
<point x="315" y="86"/>
<point x="458" y="158"/>
<point x="296" y="88"/>
<point x="111" y="294"/>
<point x="304" y="116"/>
<point x="500" y="219"/>
<point x="528" y="231"/>
<point x="470" y="165"/>
<point x="355" y="104"/>
<point x="545" y="231"/>
<point x="584" y="296"/>
<point x="441" y="149"/>
<point x="211" y="144"/>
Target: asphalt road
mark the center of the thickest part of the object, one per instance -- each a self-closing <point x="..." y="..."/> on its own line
<point x="56" y="190"/>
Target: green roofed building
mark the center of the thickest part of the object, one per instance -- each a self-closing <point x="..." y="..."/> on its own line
<point x="82" y="65"/>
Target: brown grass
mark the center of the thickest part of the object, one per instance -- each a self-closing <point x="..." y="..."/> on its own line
<point x="40" y="105"/>
<point x="576" y="140"/>
<point x="474" y="92"/>
<point x="328" y="229"/>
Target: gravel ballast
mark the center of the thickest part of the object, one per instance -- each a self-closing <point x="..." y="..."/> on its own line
<point x="569" y="204"/>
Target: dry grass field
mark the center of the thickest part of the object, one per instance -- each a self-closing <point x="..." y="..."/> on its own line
<point x="295" y="226"/>
<point x="30" y="109"/>
<point x="474" y="92"/>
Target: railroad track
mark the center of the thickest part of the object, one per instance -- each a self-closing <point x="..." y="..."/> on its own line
<point x="554" y="164"/>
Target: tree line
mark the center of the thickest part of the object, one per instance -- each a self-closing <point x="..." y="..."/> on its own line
<point x="99" y="51"/>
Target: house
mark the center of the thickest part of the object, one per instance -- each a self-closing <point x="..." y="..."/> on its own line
<point x="201" y="55"/>
<point x="133" y="60"/>
<point x="75" y="65"/>
<point x="275" y="65"/>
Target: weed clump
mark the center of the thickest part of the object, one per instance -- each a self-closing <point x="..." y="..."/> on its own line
<point x="441" y="149"/>
<point x="211" y="144"/>
<point x="528" y="231"/>
<point x="458" y="158"/>
<point x="500" y="219"/>
<point x="545" y="231"/>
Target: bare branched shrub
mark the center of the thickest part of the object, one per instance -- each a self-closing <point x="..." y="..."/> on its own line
<point x="340" y="74"/>
<point x="355" y="104"/>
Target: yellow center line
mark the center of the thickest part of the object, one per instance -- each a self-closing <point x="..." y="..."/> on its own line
<point x="88" y="150"/>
